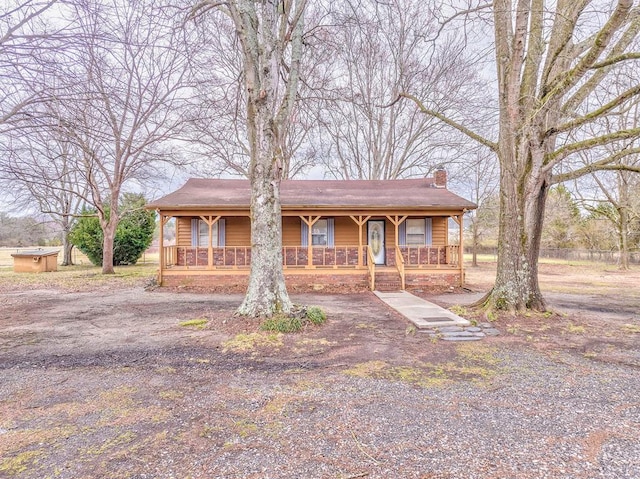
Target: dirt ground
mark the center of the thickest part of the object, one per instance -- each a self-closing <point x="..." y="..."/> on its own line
<point x="100" y="379"/>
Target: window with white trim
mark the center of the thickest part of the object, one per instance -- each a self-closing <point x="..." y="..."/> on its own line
<point x="203" y="234"/>
<point x="319" y="233"/>
<point x="416" y="232"/>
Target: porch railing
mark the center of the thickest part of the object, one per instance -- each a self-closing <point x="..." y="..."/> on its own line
<point x="238" y="257"/>
<point x="169" y="255"/>
<point x="430" y="256"/>
<point x="322" y="256"/>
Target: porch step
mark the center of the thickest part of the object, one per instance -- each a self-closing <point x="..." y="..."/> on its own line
<point x="388" y="281"/>
<point x="387" y="287"/>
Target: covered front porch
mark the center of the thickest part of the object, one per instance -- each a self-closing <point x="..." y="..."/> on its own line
<point x="325" y="247"/>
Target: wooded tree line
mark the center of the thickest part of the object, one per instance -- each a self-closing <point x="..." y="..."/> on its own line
<point x="103" y="97"/>
<point x="569" y="223"/>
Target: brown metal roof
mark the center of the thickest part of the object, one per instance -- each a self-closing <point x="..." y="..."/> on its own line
<point x="309" y="194"/>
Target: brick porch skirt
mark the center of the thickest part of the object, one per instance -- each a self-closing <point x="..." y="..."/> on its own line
<point x="300" y="283"/>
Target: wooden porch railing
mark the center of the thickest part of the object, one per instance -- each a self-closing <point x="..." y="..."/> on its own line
<point x="170" y="255"/>
<point x="239" y="257"/>
<point x="400" y="265"/>
<point x="453" y="255"/>
<point x="236" y="257"/>
<point x="429" y="257"/>
<point x="323" y="256"/>
<point x="371" y="266"/>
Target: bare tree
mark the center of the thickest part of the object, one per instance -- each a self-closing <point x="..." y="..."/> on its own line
<point x="616" y="200"/>
<point x="32" y="164"/>
<point x="270" y="44"/>
<point x="117" y="93"/>
<point x="554" y="61"/>
<point x="480" y="182"/>
<point x="219" y="120"/>
<point x="40" y="168"/>
<point x="24" y="30"/>
<point x="21" y="30"/>
<point x="378" y="49"/>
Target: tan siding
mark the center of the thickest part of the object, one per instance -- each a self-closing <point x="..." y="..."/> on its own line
<point x="389" y="234"/>
<point x="237" y="231"/>
<point x="291" y="231"/>
<point x="346" y="232"/>
<point x="183" y="231"/>
<point x="439" y="233"/>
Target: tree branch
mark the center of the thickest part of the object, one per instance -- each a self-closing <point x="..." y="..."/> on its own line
<point x="561" y="153"/>
<point x="474" y="136"/>
<point x="203" y="7"/>
<point x="573" y="175"/>
<point x="595" y="114"/>
<point x="604" y="164"/>
<point x="617" y="50"/>
<point x="459" y="14"/>
<point x="11" y="30"/>
<point x="617" y="59"/>
<point x="570" y="78"/>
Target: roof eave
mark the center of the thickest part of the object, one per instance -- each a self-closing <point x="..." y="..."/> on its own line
<point x="315" y="207"/>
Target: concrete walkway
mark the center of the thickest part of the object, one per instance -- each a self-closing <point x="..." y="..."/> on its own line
<point x="437" y="322"/>
<point x="422" y="313"/>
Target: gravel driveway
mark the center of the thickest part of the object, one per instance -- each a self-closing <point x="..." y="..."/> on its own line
<point x="108" y="384"/>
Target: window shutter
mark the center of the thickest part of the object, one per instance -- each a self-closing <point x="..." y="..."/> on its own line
<point x="428" y="237"/>
<point x="331" y="232"/>
<point x="304" y="234"/>
<point x="221" y="232"/>
<point x="194" y="232"/>
<point x="402" y="233"/>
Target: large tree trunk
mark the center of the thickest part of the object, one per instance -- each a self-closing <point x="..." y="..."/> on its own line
<point x="623" y="263"/>
<point x="267" y="31"/>
<point x="521" y="214"/>
<point x="67" y="246"/>
<point x="109" y="234"/>
<point x="267" y="292"/>
<point x="67" y="249"/>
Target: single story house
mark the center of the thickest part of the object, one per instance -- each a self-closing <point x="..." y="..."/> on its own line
<point x="336" y="235"/>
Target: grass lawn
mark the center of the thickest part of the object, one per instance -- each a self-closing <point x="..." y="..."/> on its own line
<point x="81" y="275"/>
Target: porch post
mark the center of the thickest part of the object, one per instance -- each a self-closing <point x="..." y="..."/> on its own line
<point x="210" y="222"/>
<point x="461" y="249"/>
<point x="209" y="246"/>
<point x="360" y="221"/>
<point x="161" y="248"/>
<point x="396" y="220"/>
<point x="310" y="222"/>
<point x="360" y="262"/>
<point x="162" y="260"/>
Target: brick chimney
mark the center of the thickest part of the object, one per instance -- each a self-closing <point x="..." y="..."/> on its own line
<point x="440" y="177"/>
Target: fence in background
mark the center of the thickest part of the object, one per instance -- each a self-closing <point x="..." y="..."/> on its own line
<point x="560" y="254"/>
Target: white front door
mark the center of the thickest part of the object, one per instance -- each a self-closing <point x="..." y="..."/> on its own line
<point x="375" y="240"/>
